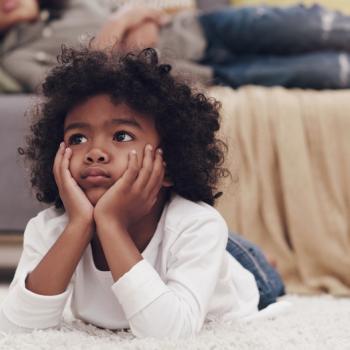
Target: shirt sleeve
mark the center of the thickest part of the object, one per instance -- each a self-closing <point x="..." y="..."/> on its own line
<point x="21" y="307"/>
<point x="177" y="306"/>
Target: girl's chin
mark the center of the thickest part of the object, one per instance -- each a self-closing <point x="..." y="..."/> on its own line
<point x="94" y="194"/>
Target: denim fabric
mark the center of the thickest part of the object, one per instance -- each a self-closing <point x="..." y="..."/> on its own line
<point x="320" y="70"/>
<point x="250" y="256"/>
<point x="294" y="46"/>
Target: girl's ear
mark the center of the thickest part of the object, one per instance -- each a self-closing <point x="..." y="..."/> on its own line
<point x="167" y="183"/>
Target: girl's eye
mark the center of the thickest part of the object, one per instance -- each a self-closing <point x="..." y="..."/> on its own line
<point x="122" y="136"/>
<point x="77" y="139"/>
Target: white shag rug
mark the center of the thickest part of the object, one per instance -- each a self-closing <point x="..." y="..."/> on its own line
<point x="313" y="323"/>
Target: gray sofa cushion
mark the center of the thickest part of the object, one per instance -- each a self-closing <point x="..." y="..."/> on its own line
<point x="17" y="203"/>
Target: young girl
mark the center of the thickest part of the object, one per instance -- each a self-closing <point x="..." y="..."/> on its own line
<point x="128" y="155"/>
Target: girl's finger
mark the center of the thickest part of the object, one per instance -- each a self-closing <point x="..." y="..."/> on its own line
<point x="155" y="191"/>
<point x="146" y="169"/>
<point x="66" y="176"/>
<point x="155" y="182"/>
<point x="132" y="170"/>
<point x="57" y="162"/>
<point x="64" y="169"/>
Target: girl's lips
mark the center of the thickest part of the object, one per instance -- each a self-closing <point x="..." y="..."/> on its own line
<point x="9" y="5"/>
<point x="94" y="172"/>
<point x="95" y="176"/>
<point x="97" y="180"/>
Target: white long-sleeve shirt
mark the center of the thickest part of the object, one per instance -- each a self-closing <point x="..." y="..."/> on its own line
<point x="186" y="276"/>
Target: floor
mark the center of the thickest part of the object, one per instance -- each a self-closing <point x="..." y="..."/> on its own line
<point x="313" y="323"/>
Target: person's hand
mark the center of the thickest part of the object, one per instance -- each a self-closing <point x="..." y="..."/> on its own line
<point x="120" y="24"/>
<point x="143" y="36"/>
<point x="134" y="15"/>
<point x="76" y="204"/>
<point x="135" y="193"/>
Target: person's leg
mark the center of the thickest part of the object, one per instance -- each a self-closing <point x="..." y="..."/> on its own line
<point x="275" y="30"/>
<point x="320" y="70"/>
<point x="268" y="280"/>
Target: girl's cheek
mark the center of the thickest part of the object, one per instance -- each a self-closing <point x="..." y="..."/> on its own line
<point x="122" y="165"/>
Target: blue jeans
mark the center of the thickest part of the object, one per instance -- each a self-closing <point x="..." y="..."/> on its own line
<point x="250" y="256"/>
<point x="294" y="46"/>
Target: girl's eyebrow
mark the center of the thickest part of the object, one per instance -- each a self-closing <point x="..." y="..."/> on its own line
<point x="78" y="125"/>
<point x="127" y="121"/>
<point x="115" y="121"/>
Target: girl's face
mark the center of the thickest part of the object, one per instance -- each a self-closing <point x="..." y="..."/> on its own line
<point x="13" y="12"/>
<point x="101" y="134"/>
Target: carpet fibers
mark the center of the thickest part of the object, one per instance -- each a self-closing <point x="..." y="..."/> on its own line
<point x="313" y="323"/>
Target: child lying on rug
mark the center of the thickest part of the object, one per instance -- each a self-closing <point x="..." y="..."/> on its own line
<point x="129" y="158"/>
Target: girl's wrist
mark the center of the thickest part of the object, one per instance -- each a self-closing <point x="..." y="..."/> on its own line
<point x="102" y="219"/>
<point x="81" y="224"/>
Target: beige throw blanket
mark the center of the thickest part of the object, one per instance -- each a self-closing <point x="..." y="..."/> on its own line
<point x="290" y="150"/>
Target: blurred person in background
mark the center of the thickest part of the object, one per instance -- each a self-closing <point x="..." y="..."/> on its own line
<point x="12" y="13"/>
<point x="294" y="46"/>
<point x="32" y="33"/>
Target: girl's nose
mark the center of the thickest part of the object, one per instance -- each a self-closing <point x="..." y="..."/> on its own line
<point x="96" y="155"/>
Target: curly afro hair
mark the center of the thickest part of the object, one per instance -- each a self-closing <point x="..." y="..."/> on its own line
<point x="185" y="120"/>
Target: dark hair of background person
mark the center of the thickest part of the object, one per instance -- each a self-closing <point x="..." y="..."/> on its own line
<point x="53" y="4"/>
<point x="186" y="120"/>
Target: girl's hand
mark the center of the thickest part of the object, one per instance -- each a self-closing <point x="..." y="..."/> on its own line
<point x="76" y="204"/>
<point x="135" y="193"/>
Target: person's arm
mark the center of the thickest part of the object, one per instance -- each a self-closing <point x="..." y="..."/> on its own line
<point x="55" y="270"/>
<point x="143" y="36"/>
<point x="127" y="19"/>
<point x="23" y="308"/>
<point x="176" y="305"/>
<point x="40" y="288"/>
<point x="129" y="200"/>
<point x="41" y="285"/>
